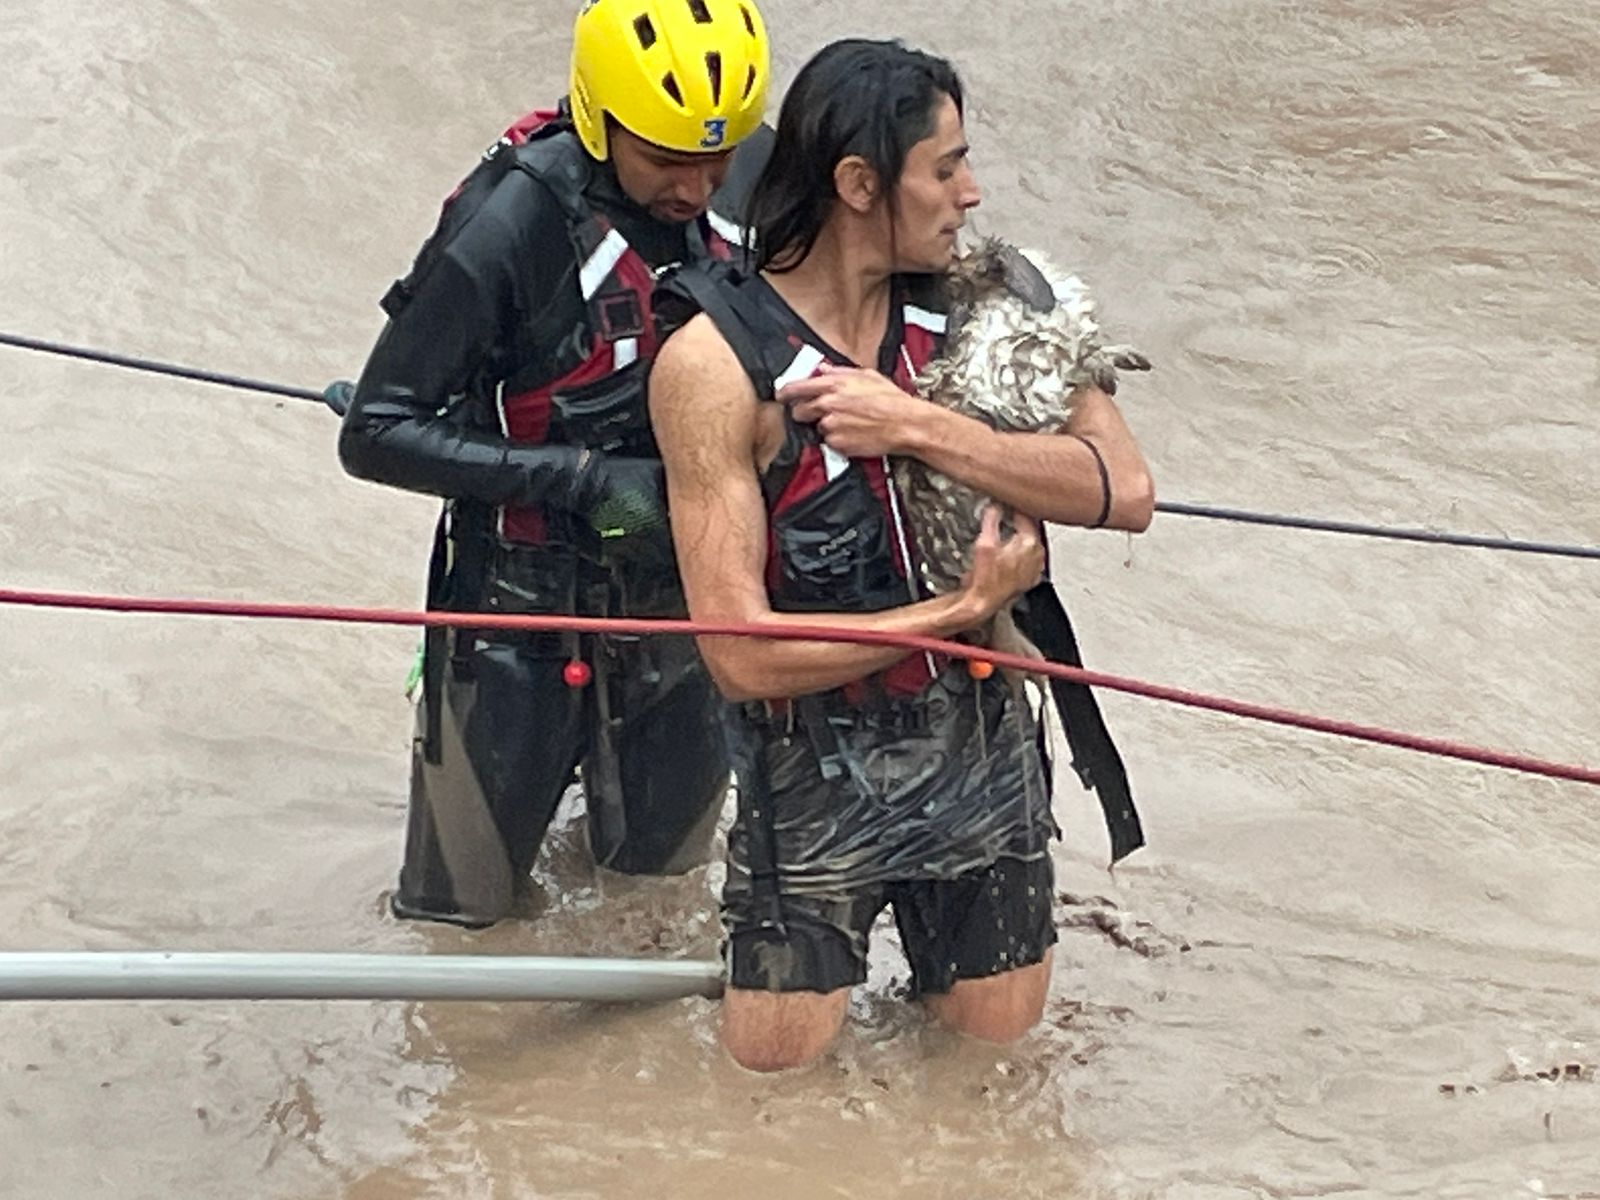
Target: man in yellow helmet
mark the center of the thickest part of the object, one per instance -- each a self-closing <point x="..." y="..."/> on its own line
<point x="510" y="381"/>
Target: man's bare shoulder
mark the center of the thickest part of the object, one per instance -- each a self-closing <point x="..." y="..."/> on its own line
<point x="697" y="366"/>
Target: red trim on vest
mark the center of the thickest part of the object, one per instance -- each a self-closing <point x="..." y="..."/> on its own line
<point x="524" y="127"/>
<point x="909" y="675"/>
<point x="920" y="345"/>
<point x="527" y="420"/>
<point x="526" y="415"/>
<point x="810" y="474"/>
<point x="519" y="133"/>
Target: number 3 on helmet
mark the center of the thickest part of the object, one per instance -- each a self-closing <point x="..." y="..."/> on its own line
<point x="688" y="75"/>
<point x="716" y="133"/>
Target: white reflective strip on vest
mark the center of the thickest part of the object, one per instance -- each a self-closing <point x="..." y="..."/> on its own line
<point x="805" y="364"/>
<point x="624" y="353"/>
<point x="505" y="432"/>
<point x="729" y="231"/>
<point x="923" y="319"/>
<point x="606" y="256"/>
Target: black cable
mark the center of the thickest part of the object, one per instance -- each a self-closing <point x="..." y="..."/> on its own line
<point x="336" y="396"/>
<point x="1379" y="531"/>
<point x="160" y="368"/>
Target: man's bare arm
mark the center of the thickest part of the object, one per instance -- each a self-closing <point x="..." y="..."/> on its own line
<point x="705" y="415"/>
<point x="862" y="414"/>
<point x="1053" y="478"/>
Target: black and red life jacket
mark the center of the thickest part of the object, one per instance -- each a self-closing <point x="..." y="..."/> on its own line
<point x="836" y="541"/>
<point x="586" y="385"/>
<point x="838" y="538"/>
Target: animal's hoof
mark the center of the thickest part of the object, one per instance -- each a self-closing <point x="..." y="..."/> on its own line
<point x="1126" y="358"/>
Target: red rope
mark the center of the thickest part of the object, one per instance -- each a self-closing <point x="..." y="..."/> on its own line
<point x="548" y="624"/>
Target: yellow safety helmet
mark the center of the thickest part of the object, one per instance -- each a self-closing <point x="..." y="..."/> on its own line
<point x="689" y="75"/>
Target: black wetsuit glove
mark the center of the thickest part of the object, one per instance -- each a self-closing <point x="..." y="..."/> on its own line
<point x="624" y="501"/>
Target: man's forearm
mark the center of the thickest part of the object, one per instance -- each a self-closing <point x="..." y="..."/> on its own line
<point x="1045" y="475"/>
<point x="395" y="439"/>
<point x="756" y="668"/>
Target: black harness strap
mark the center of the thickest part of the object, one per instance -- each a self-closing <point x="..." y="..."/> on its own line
<point x="704" y="291"/>
<point x="1041" y="616"/>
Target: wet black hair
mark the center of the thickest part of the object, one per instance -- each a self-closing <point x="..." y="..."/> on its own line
<point x="875" y="99"/>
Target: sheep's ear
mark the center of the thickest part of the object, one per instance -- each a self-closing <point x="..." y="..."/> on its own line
<point x="1026" y="282"/>
<point x="954" y="320"/>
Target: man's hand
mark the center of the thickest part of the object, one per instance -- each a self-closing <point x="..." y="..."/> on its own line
<point x="1002" y="569"/>
<point x="624" y="502"/>
<point x="861" y="414"/>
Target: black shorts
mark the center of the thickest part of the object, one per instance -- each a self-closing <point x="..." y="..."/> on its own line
<point x="983" y="923"/>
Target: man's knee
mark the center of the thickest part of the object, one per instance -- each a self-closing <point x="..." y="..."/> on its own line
<point x="778" y="1031"/>
<point x="1000" y="1008"/>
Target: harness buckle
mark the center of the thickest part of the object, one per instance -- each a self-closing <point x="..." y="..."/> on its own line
<point x="619" y="315"/>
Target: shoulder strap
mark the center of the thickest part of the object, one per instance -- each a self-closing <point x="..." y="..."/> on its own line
<point x="557" y="159"/>
<point x="532" y="144"/>
<point x="457" y="210"/>
<point x="709" y="287"/>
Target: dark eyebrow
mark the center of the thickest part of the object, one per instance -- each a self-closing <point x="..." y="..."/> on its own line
<point x="676" y="158"/>
<point x="957" y="154"/>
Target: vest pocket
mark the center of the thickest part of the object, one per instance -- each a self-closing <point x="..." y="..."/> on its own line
<point x="608" y="414"/>
<point x="834" y="551"/>
<point x="533" y="579"/>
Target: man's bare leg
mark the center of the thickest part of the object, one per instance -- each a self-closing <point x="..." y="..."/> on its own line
<point x="1000" y="1008"/>
<point x="774" y="1031"/>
